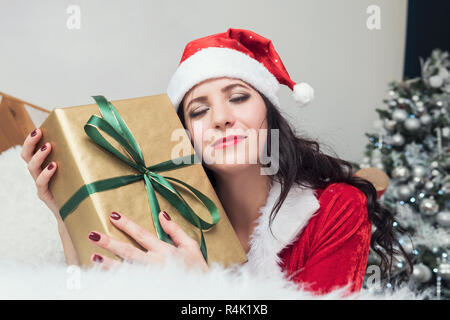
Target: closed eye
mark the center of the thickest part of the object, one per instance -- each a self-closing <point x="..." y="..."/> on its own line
<point x="240" y="99"/>
<point x="234" y="100"/>
<point x="195" y="114"/>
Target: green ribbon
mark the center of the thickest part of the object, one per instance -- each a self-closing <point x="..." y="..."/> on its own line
<point x="113" y="125"/>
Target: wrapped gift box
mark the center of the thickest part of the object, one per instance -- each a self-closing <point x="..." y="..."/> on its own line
<point x="80" y="161"/>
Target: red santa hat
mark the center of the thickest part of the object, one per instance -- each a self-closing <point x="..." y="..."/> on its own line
<point x="236" y="53"/>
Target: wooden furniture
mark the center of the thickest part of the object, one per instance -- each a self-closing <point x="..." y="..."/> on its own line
<point x="15" y="122"/>
<point x="378" y="178"/>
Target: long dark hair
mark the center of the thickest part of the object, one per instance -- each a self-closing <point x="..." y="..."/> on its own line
<point x="302" y="162"/>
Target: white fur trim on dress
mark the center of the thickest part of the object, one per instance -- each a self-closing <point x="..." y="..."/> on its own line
<point x="294" y="214"/>
<point x="216" y="62"/>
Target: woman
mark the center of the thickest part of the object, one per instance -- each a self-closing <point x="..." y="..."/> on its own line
<point x="302" y="214"/>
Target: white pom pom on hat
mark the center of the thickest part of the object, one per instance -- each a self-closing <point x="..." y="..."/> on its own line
<point x="303" y="94"/>
<point x="236" y="53"/>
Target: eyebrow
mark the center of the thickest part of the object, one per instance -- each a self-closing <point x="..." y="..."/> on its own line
<point x="224" y="89"/>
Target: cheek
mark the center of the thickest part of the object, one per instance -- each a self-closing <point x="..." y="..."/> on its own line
<point x="197" y="131"/>
<point x="254" y="117"/>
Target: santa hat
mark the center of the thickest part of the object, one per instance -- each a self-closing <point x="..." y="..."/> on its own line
<point x="236" y="53"/>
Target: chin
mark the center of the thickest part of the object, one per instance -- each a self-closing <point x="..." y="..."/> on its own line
<point x="231" y="167"/>
<point x="230" y="159"/>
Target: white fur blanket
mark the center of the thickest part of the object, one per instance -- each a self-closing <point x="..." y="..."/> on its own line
<point x="32" y="262"/>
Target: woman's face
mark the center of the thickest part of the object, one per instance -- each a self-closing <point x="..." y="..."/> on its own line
<point x="225" y="107"/>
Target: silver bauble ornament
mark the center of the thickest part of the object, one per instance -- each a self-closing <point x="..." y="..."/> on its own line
<point x="389" y="124"/>
<point x="400" y="173"/>
<point x="446" y="187"/>
<point x="398" y="140"/>
<point x="419" y="171"/>
<point x="436" y="81"/>
<point x="403" y="192"/>
<point x="434" y="164"/>
<point x="418" y="181"/>
<point x="415" y="98"/>
<point x="446" y="132"/>
<point x="443" y="218"/>
<point x="444" y="270"/>
<point x="429" y="185"/>
<point x="421" y="273"/>
<point x="399" y="115"/>
<point x="426" y="119"/>
<point x="412" y="124"/>
<point x="429" y="206"/>
<point x="436" y="173"/>
<point x="420" y="106"/>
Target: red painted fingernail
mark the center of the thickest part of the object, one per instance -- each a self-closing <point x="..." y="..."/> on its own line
<point x="94" y="236"/>
<point x="44" y="147"/>
<point x="166" y="216"/>
<point x="115" y="215"/>
<point x="50" y="166"/>
<point x="34" y="132"/>
<point x="97" y="258"/>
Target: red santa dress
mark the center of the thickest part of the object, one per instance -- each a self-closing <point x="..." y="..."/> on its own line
<point x="321" y="238"/>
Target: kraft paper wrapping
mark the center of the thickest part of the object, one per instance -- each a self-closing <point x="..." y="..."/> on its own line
<point x="80" y="161"/>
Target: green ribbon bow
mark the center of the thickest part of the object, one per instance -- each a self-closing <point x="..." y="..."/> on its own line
<point x="113" y="124"/>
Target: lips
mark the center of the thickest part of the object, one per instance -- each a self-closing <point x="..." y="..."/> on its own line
<point x="227" y="139"/>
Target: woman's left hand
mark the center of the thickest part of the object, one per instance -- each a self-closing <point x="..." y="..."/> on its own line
<point x="157" y="250"/>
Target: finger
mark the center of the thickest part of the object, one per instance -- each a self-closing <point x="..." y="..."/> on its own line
<point x="34" y="166"/>
<point x="30" y="144"/>
<point x="44" y="177"/>
<point x="142" y="236"/>
<point x="179" y="237"/>
<point x="122" y="249"/>
<point x="105" y="263"/>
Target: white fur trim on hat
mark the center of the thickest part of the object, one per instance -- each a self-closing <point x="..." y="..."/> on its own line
<point x="216" y="62"/>
<point x="303" y="94"/>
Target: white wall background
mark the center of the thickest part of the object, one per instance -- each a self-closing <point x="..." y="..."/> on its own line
<point x="131" y="48"/>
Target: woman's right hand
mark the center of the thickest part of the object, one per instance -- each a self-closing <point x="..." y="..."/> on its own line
<point x="34" y="162"/>
<point x="42" y="177"/>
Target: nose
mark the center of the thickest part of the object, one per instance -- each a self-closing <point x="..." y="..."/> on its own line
<point x="222" y="117"/>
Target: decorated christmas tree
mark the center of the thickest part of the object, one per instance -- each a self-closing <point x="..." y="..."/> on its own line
<point x="410" y="144"/>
